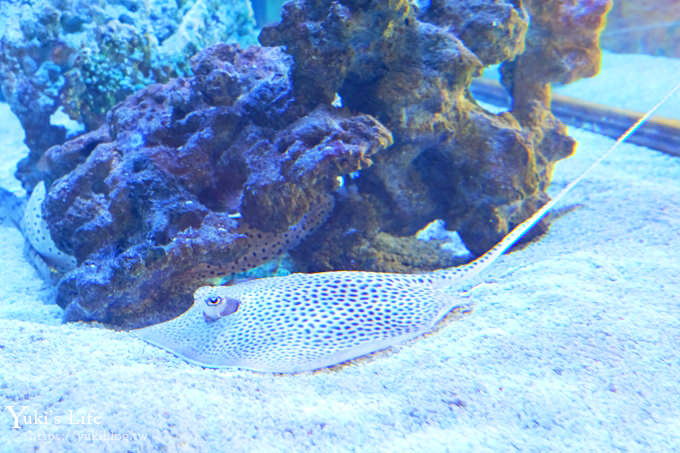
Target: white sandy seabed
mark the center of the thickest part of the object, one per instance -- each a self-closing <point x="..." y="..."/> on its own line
<point x="573" y="344"/>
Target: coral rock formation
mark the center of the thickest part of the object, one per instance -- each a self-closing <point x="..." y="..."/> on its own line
<point x="198" y="177"/>
<point x="81" y="58"/>
<point x="562" y="46"/>
<point x="410" y="68"/>
<point x="218" y="172"/>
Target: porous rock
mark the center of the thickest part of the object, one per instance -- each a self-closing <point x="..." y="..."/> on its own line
<point x="562" y="46"/>
<point x="198" y="176"/>
<point x="190" y="177"/>
<point x="79" y="58"/>
<point x="410" y="67"/>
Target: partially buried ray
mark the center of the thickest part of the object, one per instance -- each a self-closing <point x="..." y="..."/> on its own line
<point x="262" y="246"/>
<point x="304" y="322"/>
<point x="39" y="248"/>
<point x="38" y="235"/>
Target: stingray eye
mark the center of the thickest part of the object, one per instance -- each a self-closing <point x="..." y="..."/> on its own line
<point x="214" y="300"/>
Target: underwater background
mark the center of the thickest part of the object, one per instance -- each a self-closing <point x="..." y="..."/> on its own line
<point x="168" y="155"/>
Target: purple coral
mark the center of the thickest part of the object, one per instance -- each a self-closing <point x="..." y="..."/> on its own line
<point x="197" y="176"/>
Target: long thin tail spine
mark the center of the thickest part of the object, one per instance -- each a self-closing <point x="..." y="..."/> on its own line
<point x="478" y="265"/>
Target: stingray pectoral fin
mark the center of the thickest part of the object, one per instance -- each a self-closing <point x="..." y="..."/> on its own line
<point x="182" y="336"/>
<point x="157" y="336"/>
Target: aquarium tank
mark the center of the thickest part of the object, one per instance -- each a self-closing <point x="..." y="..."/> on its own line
<point x="375" y="226"/>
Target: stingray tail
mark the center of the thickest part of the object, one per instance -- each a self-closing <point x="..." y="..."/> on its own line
<point x="448" y="277"/>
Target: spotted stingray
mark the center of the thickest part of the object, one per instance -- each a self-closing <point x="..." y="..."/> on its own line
<point x="51" y="262"/>
<point x="37" y="233"/>
<point x="262" y="246"/>
<point x="303" y="322"/>
<point x="39" y="248"/>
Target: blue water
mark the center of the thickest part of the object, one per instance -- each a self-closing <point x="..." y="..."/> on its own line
<point x="572" y="341"/>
